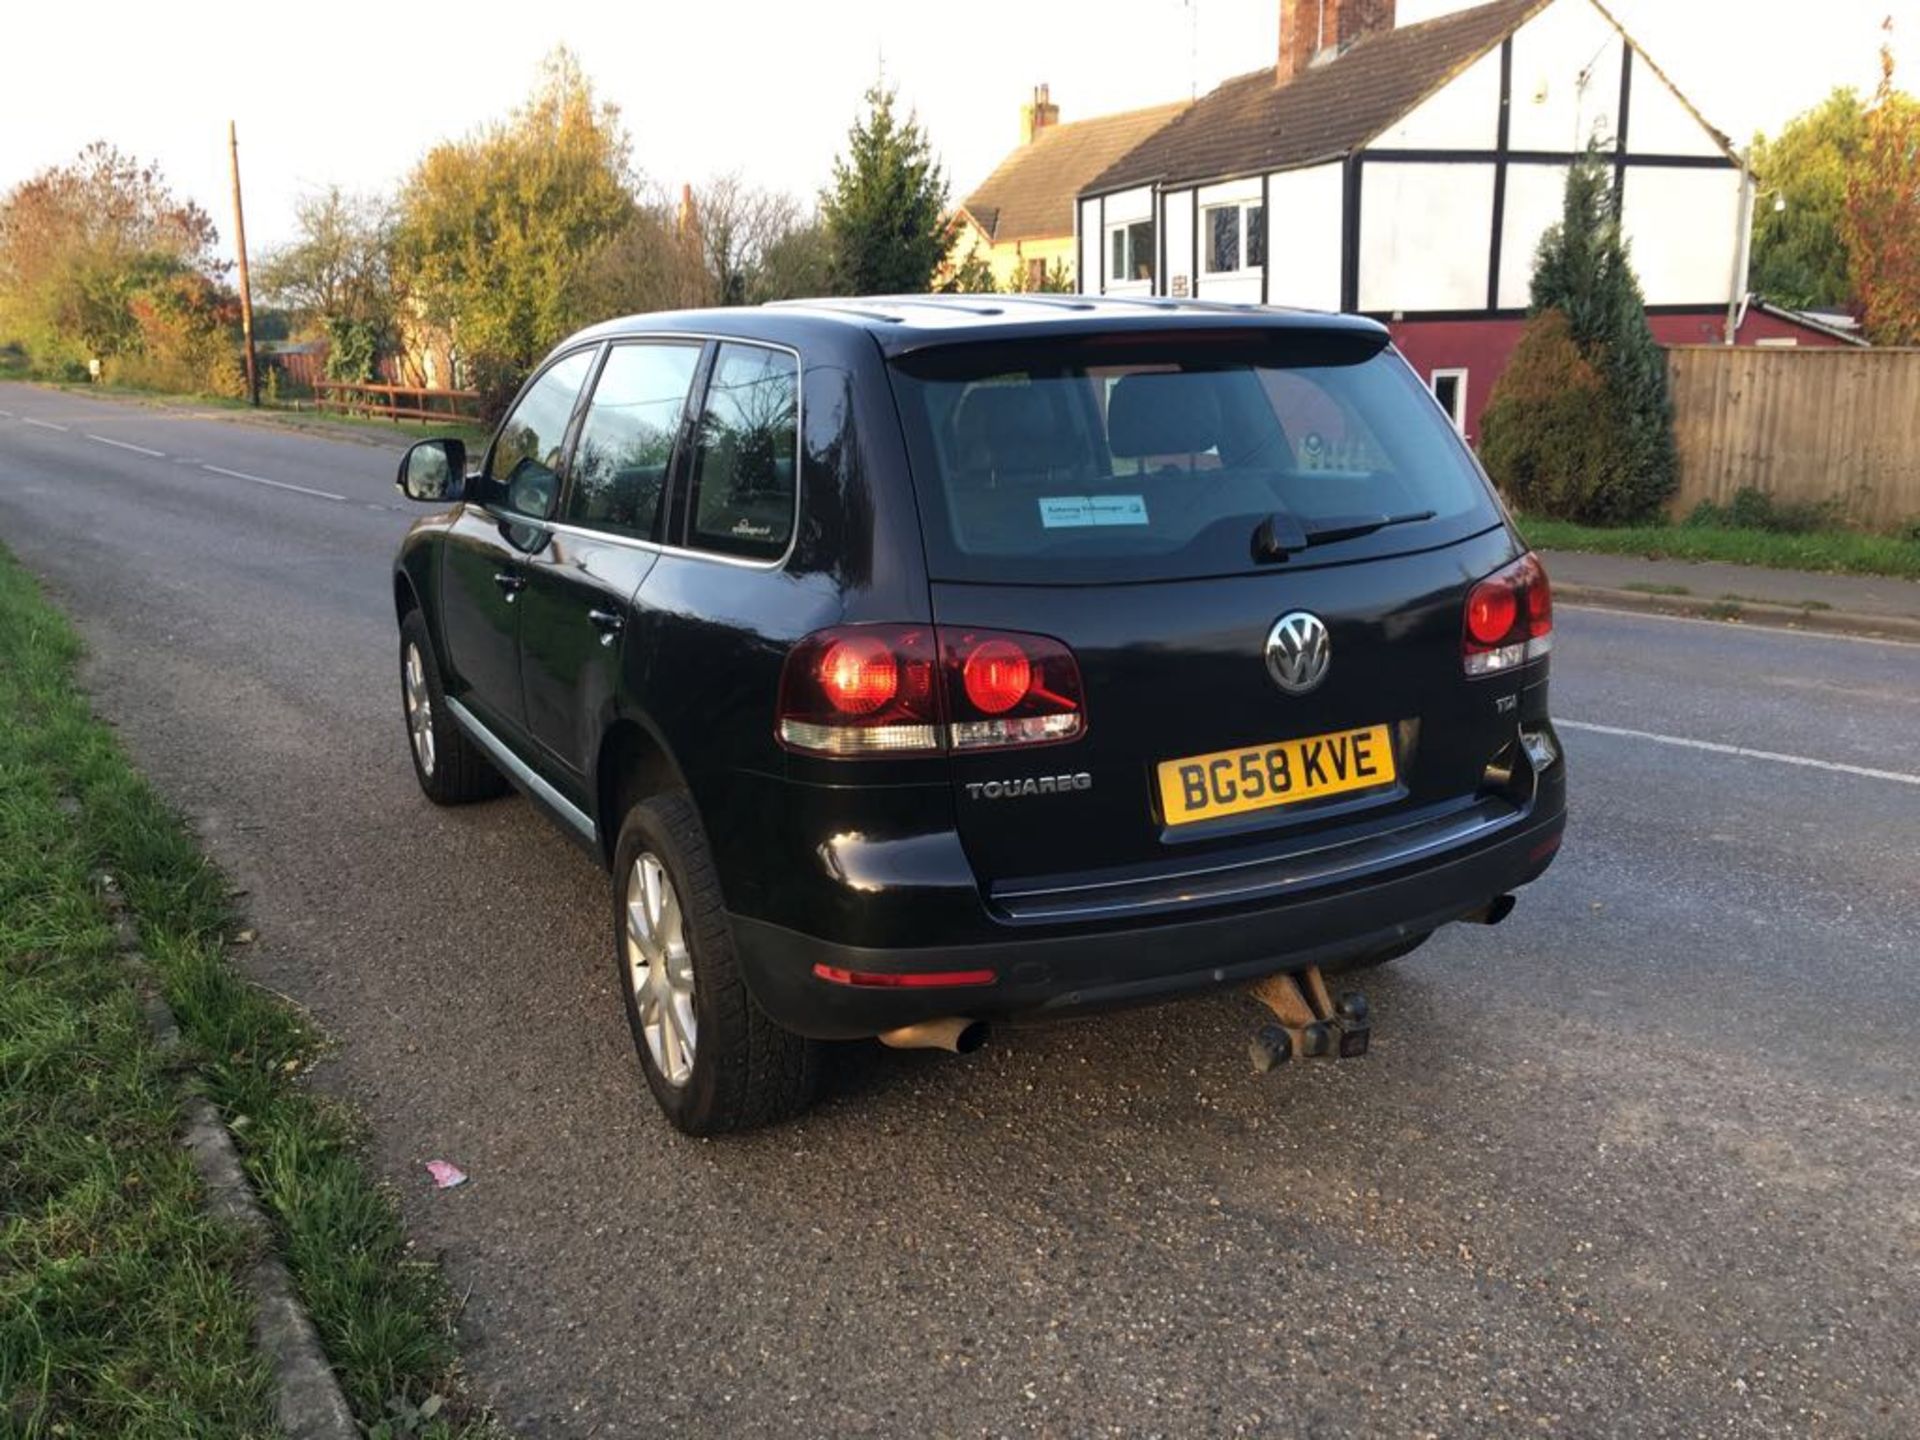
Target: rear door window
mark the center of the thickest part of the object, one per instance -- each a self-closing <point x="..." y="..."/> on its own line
<point x="744" y="486"/>
<point x="621" y="460"/>
<point x="1081" y="463"/>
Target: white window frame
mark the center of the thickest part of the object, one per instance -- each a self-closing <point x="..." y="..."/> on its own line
<point x="1459" y="377"/>
<point x="1245" y="208"/>
<point x="1125" y="227"/>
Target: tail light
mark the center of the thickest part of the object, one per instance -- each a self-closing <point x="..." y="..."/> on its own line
<point x="1005" y="689"/>
<point x="922" y="690"/>
<point x="1509" y="618"/>
<point x="862" y="690"/>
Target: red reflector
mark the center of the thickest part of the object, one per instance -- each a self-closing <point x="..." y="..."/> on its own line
<point x="907" y="980"/>
<point x="1546" y="847"/>
<point x="1539" y="604"/>
<point x="859" y="674"/>
<point x="997" y="676"/>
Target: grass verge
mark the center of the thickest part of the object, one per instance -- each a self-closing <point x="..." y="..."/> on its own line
<point x="304" y="417"/>
<point x="1850" y="552"/>
<point x="122" y="1308"/>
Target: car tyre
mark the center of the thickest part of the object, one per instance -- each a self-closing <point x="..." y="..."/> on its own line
<point x="712" y="1058"/>
<point x="451" y="768"/>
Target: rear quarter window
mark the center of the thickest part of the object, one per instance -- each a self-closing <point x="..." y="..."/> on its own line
<point x="744" y="483"/>
<point x="1076" y="463"/>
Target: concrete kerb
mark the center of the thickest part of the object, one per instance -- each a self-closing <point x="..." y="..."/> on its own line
<point x="1750" y="612"/>
<point x="308" y="1402"/>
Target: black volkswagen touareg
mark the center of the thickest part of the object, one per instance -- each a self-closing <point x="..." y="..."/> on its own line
<point x="917" y="663"/>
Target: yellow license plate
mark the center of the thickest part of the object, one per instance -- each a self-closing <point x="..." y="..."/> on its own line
<point x="1231" y="782"/>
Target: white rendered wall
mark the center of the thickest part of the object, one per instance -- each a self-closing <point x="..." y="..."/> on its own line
<point x="1303" y="237"/>
<point x="1425" y="235"/>
<point x="1684" y="229"/>
<point x="1462" y="115"/>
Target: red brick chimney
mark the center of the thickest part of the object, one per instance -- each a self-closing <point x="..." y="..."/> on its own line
<point x="1310" y="29"/>
<point x="1037" y="115"/>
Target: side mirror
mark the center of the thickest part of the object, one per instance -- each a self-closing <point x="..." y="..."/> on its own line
<point x="434" y="471"/>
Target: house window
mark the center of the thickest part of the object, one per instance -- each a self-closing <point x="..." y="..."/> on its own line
<point x="1130" y="251"/>
<point x="1236" y="237"/>
<point x="1450" y="389"/>
<point x="1036" y="274"/>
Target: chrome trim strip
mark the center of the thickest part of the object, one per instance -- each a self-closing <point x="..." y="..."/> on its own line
<point x="1370" y="854"/>
<point x="496" y="748"/>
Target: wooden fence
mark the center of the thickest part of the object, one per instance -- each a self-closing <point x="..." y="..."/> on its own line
<point x="1840" y="426"/>
<point x="397" y="402"/>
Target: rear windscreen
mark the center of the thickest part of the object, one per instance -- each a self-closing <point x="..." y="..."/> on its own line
<point x="1081" y="461"/>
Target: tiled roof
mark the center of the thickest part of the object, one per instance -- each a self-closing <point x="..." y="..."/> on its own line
<point x="1031" y="195"/>
<point x="1254" y="122"/>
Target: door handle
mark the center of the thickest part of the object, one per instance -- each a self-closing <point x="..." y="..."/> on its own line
<point x="609" y="623"/>
<point x="510" y="584"/>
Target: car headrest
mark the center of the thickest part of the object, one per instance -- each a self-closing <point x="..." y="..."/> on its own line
<point x="1163" y="413"/>
<point x="1011" y="430"/>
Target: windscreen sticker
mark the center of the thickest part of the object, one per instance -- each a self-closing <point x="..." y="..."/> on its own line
<point x="1061" y="512"/>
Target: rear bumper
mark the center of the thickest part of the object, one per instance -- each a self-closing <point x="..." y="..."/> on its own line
<point x="1039" y="976"/>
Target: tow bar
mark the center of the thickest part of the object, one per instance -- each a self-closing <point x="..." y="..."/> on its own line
<point x="1312" y="1024"/>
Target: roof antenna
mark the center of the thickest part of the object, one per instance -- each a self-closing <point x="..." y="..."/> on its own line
<point x="1193" y="48"/>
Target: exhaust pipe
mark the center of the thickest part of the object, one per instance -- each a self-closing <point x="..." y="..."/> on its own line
<point x="1491" y="913"/>
<point x="956" y="1033"/>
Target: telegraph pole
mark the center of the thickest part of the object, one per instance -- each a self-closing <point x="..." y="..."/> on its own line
<point x="246" y="289"/>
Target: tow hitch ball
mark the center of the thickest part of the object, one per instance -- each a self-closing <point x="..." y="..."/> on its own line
<point x="1308" y="1022"/>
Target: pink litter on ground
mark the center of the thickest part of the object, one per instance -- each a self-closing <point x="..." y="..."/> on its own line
<point x="446" y="1175"/>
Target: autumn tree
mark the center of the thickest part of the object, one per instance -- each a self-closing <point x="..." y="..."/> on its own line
<point x="1881" y="221"/>
<point x="654" y="262"/>
<point x="886" y="211"/>
<point x="498" y="233"/>
<point x="81" y="243"/>
<point x="337" y="277"/>
<point x="1800" y="257"/>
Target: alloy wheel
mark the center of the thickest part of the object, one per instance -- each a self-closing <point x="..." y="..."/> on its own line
<point x="419" y="709"/>
<point x="660" y="968"/>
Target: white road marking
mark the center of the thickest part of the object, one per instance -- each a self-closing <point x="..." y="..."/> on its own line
<point x="124" y="445"/>
<point x="6" y="414"/>
<point x="43" y="424"/>
<point x="1806" y="762"/>
<point x="276" y="484"/>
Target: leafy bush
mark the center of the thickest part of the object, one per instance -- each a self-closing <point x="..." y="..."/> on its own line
<point x="1551" y="436"/>
<point x="352" y="348"/>
<point x="1754" y="509"/>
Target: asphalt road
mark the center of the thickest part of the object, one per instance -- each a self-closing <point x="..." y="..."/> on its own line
<point x="1642" y="1161"/>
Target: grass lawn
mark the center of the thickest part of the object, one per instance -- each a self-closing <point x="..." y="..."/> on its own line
<point x="1848" y="551"/>
<point x="122" y="1306"/>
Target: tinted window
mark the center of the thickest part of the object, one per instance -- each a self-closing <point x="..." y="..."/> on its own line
<point x="525" y="463"/>
<point x="743" y="470"/>
<point x="620" y="463"/>
<point x="1159" y="460"/>
<point x="1223" y="229"/>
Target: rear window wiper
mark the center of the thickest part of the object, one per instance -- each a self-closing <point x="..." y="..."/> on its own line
<point x="1282" y="533"/>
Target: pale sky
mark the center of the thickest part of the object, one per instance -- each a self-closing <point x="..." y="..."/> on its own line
<point x="354" y="93"/>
